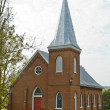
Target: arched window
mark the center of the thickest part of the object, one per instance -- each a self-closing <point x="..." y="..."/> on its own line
<point x="99" y="100"/>
<point x="59" y="64"/>
<point x="88" y="100"/>
<point x="81" y="100"/>
<point x="75" y="101"/>
<point x="75" y="65"/>
<point x="59" y="100"/>
<point x="37" y="99"/>
<point x="38" y="92"/>
<point x="94" y="100"/>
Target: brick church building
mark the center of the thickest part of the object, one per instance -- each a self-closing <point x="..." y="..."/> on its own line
<point x="55" y="80"/>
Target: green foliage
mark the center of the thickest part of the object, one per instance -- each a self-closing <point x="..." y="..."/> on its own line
<point x="11" y="47"/>
<point x="107" y="99"/>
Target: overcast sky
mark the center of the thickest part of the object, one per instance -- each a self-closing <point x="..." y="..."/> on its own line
<point x="91" y="20"/>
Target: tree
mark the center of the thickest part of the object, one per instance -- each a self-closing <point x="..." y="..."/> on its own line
<point x="107" y="99"/>
<point x="2" y="6"/>
<point x="11" y="47"/>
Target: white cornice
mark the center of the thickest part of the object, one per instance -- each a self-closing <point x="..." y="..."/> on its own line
<point x="65" y="46"/>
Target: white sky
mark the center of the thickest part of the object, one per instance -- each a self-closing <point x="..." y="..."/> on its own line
<point x="91" y="20"/>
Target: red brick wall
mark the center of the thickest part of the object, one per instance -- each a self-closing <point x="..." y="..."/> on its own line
<point x="68" y="70"/>
<point x="51" y="83"/>
<point x="59" y="82"/>
<point x="91" y="91"/>
<point x="30" y="80"/>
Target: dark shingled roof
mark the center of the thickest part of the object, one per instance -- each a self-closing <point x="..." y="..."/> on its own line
<point x="65" y="35"/>
<point x="87" y="80"/>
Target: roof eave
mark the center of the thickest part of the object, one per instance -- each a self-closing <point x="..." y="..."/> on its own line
<point x="65" y="46"/>
<point x="38" y="51"/>
<point x="84" y="85"/>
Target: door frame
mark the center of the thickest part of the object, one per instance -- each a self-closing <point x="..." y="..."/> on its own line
<point x="35" y="96"/>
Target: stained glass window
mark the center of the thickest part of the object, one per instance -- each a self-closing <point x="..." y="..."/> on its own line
<point x="38" y="92"/>
<point x="59" y="100"/>
<point x="38" y="70"/>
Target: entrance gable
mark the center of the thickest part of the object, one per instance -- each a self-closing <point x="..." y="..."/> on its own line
<point x="35" y="60"/>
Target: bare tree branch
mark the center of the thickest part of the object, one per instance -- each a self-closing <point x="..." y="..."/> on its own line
<point x="2" y="6"/>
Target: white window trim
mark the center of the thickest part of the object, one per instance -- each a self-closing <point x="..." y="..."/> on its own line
<point x="35" y="96"/>
<point x="75" y="65"/>
<point x="57" y="71"/>
<point x="56" y="101"/>
<point x="88" y="101"/>
<point x="35" y="70"/>
<point x="94" y="101"/>
<point x="59" y="108"/>
<point x="75" y="97"/>
<point x="81" y="107"/>
<point x="99" y="100"/>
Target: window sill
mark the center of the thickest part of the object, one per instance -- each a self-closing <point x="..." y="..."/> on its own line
<point x="58" y="72"/>
<point x="88" y="106"/>
<point x="81" y="107"/>
<point x="59" y="108"/>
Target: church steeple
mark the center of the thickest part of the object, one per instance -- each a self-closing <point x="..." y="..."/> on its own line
<point x="65" y="36"/>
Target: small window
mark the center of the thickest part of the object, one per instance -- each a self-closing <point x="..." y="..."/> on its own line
<point x="59" y="100"/>
<point x="75" y="65"/>
<point x="99" y="100"/>
<point x="94" y="100"/>
<point x="38" y="70"/>
<point x="59" y="64"/>
<point x="38" y="92"/>
<point x="81" y="100"/>
<point x="88" y="100"/>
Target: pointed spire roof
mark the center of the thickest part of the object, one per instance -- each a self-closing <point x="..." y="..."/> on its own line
<point x="65" y="37"/>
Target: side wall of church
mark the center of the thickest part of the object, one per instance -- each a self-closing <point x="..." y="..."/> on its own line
<point x="91" y="91"/>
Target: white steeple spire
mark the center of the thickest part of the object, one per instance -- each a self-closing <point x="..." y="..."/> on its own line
<point x="65" y="37"/>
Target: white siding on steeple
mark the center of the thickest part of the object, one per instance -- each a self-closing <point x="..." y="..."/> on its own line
<point x="59" y="64"/>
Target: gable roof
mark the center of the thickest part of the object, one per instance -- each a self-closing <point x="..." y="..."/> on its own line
<point x="85" y="78"/>
<point x="45" y="55"/>
<point x="65" y="36"/>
